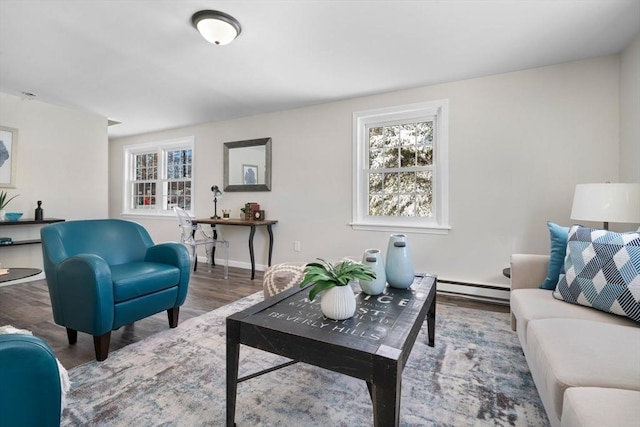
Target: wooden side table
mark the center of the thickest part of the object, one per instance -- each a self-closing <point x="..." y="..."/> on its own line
<point x="244" y="223"/>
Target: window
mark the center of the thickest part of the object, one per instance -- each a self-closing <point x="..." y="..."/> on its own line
<point x="158" y="177"/>
<point x="400" y="175"/>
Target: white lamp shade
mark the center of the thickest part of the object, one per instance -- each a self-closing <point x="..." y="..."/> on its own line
<point x="613" y="202"/>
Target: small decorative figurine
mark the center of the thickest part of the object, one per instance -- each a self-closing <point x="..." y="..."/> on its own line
<point x="39" y="214"/>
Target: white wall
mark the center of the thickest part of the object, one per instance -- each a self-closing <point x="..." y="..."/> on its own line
<point x="62" y="160"/>
<point x="630" y="112"/>
<point x="519" y="142"/>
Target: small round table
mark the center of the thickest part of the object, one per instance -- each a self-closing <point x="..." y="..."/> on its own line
<point x="19" y="273"/>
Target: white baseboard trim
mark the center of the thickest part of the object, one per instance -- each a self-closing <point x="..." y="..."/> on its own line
<point x="481" y="292"/>
<point x="238" y="264"/>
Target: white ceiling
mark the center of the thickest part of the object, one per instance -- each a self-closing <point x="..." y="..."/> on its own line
<point x="140" y="62"/>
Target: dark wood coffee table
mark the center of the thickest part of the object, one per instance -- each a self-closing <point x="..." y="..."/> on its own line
<point x="374" y="345"/>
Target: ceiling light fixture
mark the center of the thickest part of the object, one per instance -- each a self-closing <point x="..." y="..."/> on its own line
<point x="216" y="27"/>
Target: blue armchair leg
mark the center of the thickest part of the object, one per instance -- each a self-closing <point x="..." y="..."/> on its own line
<point x="72" y="336"/>
<point x="101" y="346"/>
<point x="173" y="314"/>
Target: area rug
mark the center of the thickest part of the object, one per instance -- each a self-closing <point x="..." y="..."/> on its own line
<point x="475" y="375"/>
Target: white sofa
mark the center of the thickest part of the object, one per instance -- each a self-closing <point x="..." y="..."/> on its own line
<point x="585" y="363"/>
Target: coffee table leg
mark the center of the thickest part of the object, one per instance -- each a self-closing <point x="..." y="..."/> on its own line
<point x="385" y="394"/>
<point x="233" y="354"/>
<point x="431" y="322"/>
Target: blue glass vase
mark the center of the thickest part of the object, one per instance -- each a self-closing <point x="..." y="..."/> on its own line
<point x="399" y="265"/>
<point x="372" y="258"/>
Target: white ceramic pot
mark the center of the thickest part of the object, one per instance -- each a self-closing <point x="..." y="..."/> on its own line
<point x="373" y="259"/>
<point x="399" y="265"/>
<point x="2" y="212"/>
<point x="338" y="303"/>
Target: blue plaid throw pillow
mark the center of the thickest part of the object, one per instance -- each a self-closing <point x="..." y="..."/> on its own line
<point x="602" y="270"/>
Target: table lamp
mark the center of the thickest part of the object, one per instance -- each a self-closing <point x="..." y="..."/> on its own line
<point x="610" y="202"/>
<point x="216" y="193"/>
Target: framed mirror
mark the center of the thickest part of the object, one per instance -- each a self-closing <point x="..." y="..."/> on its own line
<point x="247" y="165"/>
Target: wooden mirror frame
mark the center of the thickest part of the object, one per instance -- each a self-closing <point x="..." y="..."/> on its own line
<point x="267" y="170"/>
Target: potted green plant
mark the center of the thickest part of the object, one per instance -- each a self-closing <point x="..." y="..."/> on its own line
<point x="338" y="301"/>
<point x="4" y="202"/>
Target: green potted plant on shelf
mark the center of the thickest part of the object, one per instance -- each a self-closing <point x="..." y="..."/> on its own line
<point x="4" y="202"/>
<point x="338" y="301"/>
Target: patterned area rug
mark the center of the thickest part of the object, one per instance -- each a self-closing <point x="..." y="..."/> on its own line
<point x="476" y="375"/>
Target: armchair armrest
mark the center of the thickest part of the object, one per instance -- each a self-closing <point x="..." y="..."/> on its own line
<point x="528" y="270"/>
<point x="172" y="253"/>
<point x="175" y="254"/>
<point x="31" y="392"/>
<point x="85" y="289"/>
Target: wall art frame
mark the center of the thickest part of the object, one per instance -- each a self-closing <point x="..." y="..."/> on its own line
<point x="8" y="156"/>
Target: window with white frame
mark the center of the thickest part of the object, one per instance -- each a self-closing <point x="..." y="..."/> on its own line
<point x="158" y="177"/>
<point x="400" y="168"/>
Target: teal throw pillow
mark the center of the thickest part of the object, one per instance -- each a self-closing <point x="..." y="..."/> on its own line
<point x="559" y="236"/>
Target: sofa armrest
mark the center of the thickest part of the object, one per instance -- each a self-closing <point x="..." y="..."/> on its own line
<point x="528" y="270"/>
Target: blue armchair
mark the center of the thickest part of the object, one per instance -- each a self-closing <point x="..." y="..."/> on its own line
<point x="30" y="392"/>
<point x="106" y="273"/>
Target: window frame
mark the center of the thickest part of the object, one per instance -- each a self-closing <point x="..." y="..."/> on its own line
<point x="436" y="111"/>
<point x="161" y="148"/>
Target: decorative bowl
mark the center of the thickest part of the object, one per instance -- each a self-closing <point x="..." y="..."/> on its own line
<point x="13" y="216"/>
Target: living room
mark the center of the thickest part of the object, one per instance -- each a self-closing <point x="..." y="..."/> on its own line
<point x="519" y="143"/>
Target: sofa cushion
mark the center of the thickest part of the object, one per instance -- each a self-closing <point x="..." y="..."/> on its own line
<point x="597" y="407"/>
<point x="558" y="236"/>
<point x="602" y="270"/>
<point x="582" y="353"/>
<point x="533" y="304"/>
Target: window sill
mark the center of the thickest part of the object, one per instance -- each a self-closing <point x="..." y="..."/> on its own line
<point x="148" y="215"/>
<point x="401" y="228"/>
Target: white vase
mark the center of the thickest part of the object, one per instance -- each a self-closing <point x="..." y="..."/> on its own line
<point x="338" y="303"/>
<point x="372" y="258"/>
<point x="399" y="266"/>
<point x="2" y="212"/>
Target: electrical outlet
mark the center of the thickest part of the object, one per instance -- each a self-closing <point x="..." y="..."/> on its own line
<point x="296" y="245"/>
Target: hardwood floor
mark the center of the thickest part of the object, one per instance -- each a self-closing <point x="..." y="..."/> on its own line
<point x="27" y="306"/>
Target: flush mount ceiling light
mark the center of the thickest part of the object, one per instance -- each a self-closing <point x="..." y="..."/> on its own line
<point x="216" y="27"/>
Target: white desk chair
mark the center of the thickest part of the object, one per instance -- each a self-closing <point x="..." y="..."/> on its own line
<point x="192" y="235"/>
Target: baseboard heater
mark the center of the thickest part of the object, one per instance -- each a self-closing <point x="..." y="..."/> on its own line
<point x="477" y="291"/>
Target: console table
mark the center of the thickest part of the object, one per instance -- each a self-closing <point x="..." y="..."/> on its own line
<point x="27" y="222"/>
<point x="245" y="223"/>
